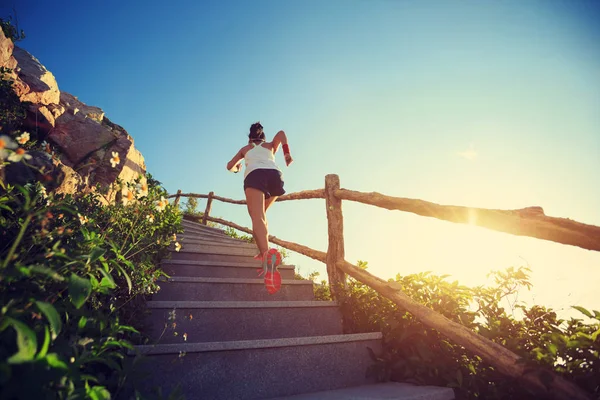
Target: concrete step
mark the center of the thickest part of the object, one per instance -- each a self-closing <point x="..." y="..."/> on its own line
<point x="203" y="241"/>
<point x="200" y="232"/>
<point x="379" y="391"/>
<point x="259" y="369"/>
<point x="216" y="269"/>
<point x="217" y="249"/>
<point x="230" y="289"/>
<point x="214" y="321"/>
<point x="198" y="226"/>
<point x="191" y="256"/>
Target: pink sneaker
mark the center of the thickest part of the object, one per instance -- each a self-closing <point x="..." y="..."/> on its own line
<point x="271" y="259"/>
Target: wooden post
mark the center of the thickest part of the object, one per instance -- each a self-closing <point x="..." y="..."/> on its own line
<point x="335" y="228"/>
<point x="176" y="202"/>
<point x="208" y="205"/>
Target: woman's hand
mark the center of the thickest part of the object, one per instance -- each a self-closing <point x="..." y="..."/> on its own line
<point x="288" y="159"/>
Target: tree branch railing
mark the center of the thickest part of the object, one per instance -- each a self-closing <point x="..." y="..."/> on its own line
<point x="526" y="222"/>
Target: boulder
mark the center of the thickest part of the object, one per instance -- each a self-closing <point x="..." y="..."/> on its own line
<point x="6" y="52"/>
<point x="81" y="139"/>
<point x="35" y="83"/>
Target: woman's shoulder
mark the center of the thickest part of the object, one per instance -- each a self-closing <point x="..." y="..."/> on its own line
<point x="268" y="145"/>
<point x="245" y="149"/>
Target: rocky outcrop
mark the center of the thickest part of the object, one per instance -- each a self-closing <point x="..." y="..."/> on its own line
<point x="81" y="139"/>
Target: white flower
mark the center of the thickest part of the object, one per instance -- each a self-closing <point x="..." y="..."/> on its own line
<point x="128" y="197"/>
<point x="150" y="218"/>
<point x="6" y="143"/>
<point x="18" y="155"/>
<point x="83" y="219"/>
<point x="43" y="192"/>
<point x="115" y="159"/>
<point x="75" y="111"/>
<point x="142" y="189"/>
<point x="177" y="246"/>
<point x="161" y="204"/>
<point x="23" y="138"/>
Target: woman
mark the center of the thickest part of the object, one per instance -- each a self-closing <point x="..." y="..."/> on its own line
<point x="263" y="183"/>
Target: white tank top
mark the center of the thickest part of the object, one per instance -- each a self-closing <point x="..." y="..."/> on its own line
<point x="259" y="157"/>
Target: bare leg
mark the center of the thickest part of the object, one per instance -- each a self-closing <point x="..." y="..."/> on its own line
<point x="255" y="200"/>
<point x="270" y="201"/>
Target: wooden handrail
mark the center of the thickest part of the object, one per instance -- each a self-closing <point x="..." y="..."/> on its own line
<point x="505" y="361"/>
<point x="526" y="222"/>
<point x="305" y="194"/>
<point x="211" y="195"/>
<point x="335" y="230"/>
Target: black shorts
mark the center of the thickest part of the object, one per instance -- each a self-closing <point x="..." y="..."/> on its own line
<point x="267" y="181"/>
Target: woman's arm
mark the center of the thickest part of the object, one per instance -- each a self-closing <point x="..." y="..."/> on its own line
<point x="234" y="165"/>
<point x="281" y="139"/>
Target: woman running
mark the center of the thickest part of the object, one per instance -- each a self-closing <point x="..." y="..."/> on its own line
<point x="263" y="181"/>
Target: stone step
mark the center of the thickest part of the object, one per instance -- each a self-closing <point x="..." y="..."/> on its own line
<point x="203" y="241"/>
<point x="230" y="289"/>
<point x="259" y="369"/>
<point x="216" y="269"/>
<point x="203" y="233"/>
<point x="378" y="391"/>
<point x="219" y="321"/>
<point x="191" y="256"/>
<point x="217" y="249"/>
<point x="198" y="226"/>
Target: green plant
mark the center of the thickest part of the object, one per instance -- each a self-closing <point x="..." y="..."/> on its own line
<point x="73" y="276"/>
<point x="234" y="234"/>
<point x="11" y="31"/>
<point x="414" y="353"/>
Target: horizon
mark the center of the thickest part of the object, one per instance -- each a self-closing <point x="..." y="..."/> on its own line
<point x="490" y="105"/>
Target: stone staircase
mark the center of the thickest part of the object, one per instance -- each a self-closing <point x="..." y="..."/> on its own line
<point x="220" y="335"/>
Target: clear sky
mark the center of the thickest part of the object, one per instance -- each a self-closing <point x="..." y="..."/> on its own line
<point x="479" y="103"/>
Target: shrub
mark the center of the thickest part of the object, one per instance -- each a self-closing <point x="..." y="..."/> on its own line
<point x="415" y="353"/>
<point x="73" y="275"/>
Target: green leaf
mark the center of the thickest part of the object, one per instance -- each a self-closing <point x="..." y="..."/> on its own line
<point x="126" y="275"/>
<point x="43" y="270"/>
<point x="94" y="282"/>
<point x="552" y="347"/>
<point x="45" y="345"/>
<point x="53" y="317"/>
<point x="96" y="254"/>
<point x="107" y="283"/>
<point x="26" y="342"/>
<point x="98" y="393"/>
<point x="127" y="328"/>
<point x="82" y="322"/>
<point x="595" y="335"/>
<point x="79" y="290"/>
<point x="117" y="343"/>
<point x="583" y="311"/>
<point x="55" y="362"/>
<point x="472" y="369"/>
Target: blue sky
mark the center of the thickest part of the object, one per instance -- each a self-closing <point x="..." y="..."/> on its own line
<point x="478" y="103"/>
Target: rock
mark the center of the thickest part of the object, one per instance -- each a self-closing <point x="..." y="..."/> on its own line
<point x="34" y="82"/>
<point x="82" y="138"/>
<point x="77" y="136"/>
<point x="6" y="52"/>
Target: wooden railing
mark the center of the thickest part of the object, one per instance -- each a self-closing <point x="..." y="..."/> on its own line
<point x="526" y="222"/>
